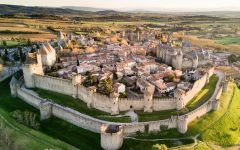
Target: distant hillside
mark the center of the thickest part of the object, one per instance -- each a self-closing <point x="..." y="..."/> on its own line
<point x="16" y="9"/>
<point x="92" y="9"/>
<point x="95" y="14"/>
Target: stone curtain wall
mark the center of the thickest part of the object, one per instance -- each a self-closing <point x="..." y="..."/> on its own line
<point x="97" y="100"/>
<point x="104" y="103"/>
<point x="197" y="86"/>
<point x="81" y="120"/>
<point x="29" y="97"/>
<point x="164" y="104"/>
<point x="54" y="84"/>
<point x="77" y="118"/>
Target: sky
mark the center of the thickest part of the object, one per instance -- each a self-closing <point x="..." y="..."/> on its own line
<point x="135" y="4"/>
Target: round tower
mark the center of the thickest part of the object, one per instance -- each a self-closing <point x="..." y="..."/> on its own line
<point x="225" y="85"/>
<point x="215" y="104"/>
<point x="111" y="137"/>
<point x="182" y="124"/>
<point x="179" y="59"/>
<point x="13" y="86"/>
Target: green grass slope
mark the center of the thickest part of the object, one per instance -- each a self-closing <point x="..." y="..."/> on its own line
<point x="54" y="133"/>
<point x="226" y="132"/>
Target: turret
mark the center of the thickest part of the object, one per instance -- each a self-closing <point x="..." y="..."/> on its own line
<point x="45" y="110"/>
<point x="111" y="137"/>
<point x="182" y="124"/>
<point x="178" y="60"/>
<point x="225" y="84"/>
<point x="215" y="104"/>
<point x="13" y="86"/>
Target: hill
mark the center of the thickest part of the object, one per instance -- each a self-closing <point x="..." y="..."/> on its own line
<point x="92" y="9"/>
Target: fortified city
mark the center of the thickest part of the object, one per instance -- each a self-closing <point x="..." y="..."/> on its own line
<point x="119" y="75"/>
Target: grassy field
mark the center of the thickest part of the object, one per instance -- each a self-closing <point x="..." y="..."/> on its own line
<point x="15" y="27"/>
<point x="14" y="43"/>
<point x="130" y="144"/>
<point x="204" y="94"/>
<point x="213" y="127"/>
<point x="226" y="132"/>
<point x="229" y="40"/>
<point x="78" y="105"/>
<point x="25" y="137"/>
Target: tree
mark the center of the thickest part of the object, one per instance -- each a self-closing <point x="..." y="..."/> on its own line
<point x="106" y="86"/>
<point x="16" y="56"/>
<point x="29" y="42"/>
<point x="159" y="147"/>
<point x="32" y="50"/>
<point x="4" y="43"/>
<point x="74" y="42"/>
<point x="5" y="51"/>
<point x="182" y="78"/>
<point x="22" y="55"/>
<point x="5" y="57"/>
<point x="170" y="77"/>
<point x="233" y="58"/>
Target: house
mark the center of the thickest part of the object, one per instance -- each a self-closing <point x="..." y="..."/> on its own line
<point x="119" y="87"/>
<point x="92" y="89"/>
<point x="170" y="86"/>
<point x="142" y="84"/>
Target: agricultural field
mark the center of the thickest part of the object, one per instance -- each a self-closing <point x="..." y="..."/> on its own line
<point x="18" y="29"/>
<point x="11" y="43"/>
<point x="228" y="40"/>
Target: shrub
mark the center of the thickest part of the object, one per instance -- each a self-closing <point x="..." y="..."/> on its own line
<point x="27" y="118"/>
<point x="163" y="127"/>
<point x="159" y="147"/>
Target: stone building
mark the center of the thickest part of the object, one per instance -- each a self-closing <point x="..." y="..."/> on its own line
<point x="180" y="59"/>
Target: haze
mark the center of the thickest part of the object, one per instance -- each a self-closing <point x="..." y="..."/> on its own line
<point x="150" y="5"/>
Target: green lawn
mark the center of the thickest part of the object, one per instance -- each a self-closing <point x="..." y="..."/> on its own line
<point x="226" y="132"/>
<point x="54" y="133"/>
<point x="78" y="105"/>
<point x="214" y="126"/>
<point x="24" y="137"/>
<point x="228" y="40"/>
<point x="202" y="124"/>
<point x="13" y="43"/>
<point x="130" y="144"/>
<point x="205" y="94"/>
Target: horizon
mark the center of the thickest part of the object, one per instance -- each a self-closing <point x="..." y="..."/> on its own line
<point x="143" y="5"/>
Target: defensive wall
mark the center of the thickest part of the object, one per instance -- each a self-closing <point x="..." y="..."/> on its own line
<point x="115" y="105"/>
<point x="48" y="109"/>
